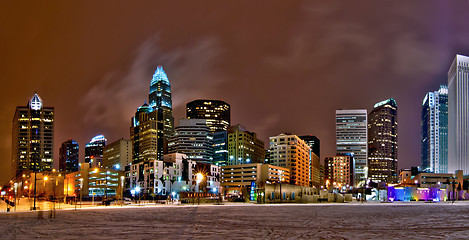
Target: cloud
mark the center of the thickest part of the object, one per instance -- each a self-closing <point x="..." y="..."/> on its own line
<point x="117" y="95"/>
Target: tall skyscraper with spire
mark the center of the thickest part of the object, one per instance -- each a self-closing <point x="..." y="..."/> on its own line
<point x="153" y="123"/>
<point x="160" y="100"/>
<point x="33" y="138"/>
<point x="458" y="115"/>
<point x="434" y="151"/>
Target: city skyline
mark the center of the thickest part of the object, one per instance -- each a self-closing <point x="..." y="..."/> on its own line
<point x="96" y="87"/>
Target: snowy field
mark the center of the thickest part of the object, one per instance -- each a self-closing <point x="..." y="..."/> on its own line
<point x="247" y="221"/>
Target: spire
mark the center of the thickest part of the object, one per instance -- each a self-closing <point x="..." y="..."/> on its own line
<point x="159" y="75"/>
<point x="36" y="102"/>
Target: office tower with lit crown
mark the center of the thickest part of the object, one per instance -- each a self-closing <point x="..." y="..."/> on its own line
<point x="216" y="112"/>
<point x="94" y="151"/>
<point x="33" y="138"/>
<point x="147" y="135"/>
<point x="160" y="100"/>
<point x="193" y="138"/>
<point x="289" y="151"/>
<point x="382" y="142"/>
<point x="458" y="115"/>
<point x="434" y="132"/>
<point x="351" y="138"/>
<point x="244" y="146"/>
<point x="117" y="154"/>
<point x="68" y="156"/>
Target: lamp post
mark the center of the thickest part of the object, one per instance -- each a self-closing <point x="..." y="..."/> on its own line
<point x="122" y="190"/>
<point x="280" y="183"/>
<point x="199" y="178"/>
<point x="81" y="191"/>
<point x="16" y="187"/>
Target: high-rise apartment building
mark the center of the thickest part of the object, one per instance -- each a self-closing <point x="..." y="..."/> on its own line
<point x="244" y="146"/>
<point x="351" y="138"/>
<point x="68" y="156"/>
<point x="289" y="151"/>
<point x="434" y="132"/>
<point x="458" y="115"/>
<point x="193" y="138"/>
<point x="33" y="138"/>
<point x="382" y="142"/>
<point x="160" y="100"/>
<point x="94" y="151"/>
<point x="147" y="135"/>
<point x="117" y="154"/>
<point x="216" y="112"/>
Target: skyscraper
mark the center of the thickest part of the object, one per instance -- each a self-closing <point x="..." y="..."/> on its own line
<point x="33" y="138"/>
<point x="382" y="142"/>
<point x="216" y="112"/>
<point x="458" y="115"/>
<point x="68" y="156"/>
<point x="194" y="139"/>
<point x="94" y="151"/>
<point x="351" y="138"/>
<point x="146" y="134"/>
<point x="160" y="100"/>
<point x="434" y="151"/>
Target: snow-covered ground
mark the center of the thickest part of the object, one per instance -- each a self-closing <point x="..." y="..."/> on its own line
<point x="414" y="220"/>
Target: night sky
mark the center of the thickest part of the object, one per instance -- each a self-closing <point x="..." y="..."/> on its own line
<point x="283" y="66"/>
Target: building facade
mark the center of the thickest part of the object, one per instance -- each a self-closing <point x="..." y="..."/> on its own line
<point x="351" y="138"/>
<point x="94" y="151"/>
<point x="216" y="112"/>
<point x="289" y="151"/>
<point x="94" y="182"/>
<point x="236" y="178"/>
<point x="32" y="138"/>
<point x="338" y="171"/>
<point x="117" y="154"/>
<point x="160" y="100"/>
<point x="458" y="114"/>
<point x="244" y="146"/>
<point x="434" y="132"/>
<point x="69" y="156"/>
<point x="175" y="175"/>
<point x="193" y="138"/>
<point x="382" y="142"/>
